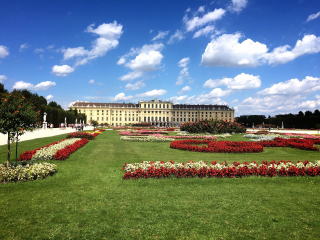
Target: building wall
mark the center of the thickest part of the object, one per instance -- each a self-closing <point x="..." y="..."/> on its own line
<point x="154" y="111"/>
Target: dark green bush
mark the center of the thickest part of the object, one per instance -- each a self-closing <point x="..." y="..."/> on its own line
<point x="212" y="126"/>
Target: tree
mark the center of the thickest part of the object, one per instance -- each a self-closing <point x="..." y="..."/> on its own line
<point x="94" y="124"/>
<point x="16" y="116"/>
<point x="2" y="89"/>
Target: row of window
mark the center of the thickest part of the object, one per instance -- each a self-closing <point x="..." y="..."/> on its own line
<point x="156" y="105"/>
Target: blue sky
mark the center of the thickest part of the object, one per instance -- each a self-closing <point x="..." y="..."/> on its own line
<point x="258" y="56"/>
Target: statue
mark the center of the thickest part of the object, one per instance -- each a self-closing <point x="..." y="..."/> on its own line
<point x="44" y="124"/>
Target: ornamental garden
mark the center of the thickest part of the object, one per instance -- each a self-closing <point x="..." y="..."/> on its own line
<point x="204" y="180"/>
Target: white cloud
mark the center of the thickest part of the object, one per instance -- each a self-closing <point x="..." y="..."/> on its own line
<point x="91" y="81"/>
<point x="185" y="89"/>
<point x="160" y="35"/>
<point x="141" y="60"/>
<point x="276" y="104"/>
<point x="176" y="37"/>
<point x="38" y="87"/>
<point x="293" y="87"/>
<point x="107" y="30"/>
<point x="201" y="9"/>
<point x="153" y="93"/>
<point x="49" y="97"/>
<point x="131" y="76"/>
<point x="62" y="70"/>
<point x="3" y="78"/>
<point x="22" y="85"/>
<point x="44" y="85"/>
<point x="4" y="52"/>
<point x="146" y="61"/>
<point x="227" y="50"/>
<point x="218" y="92"/>
<point x="108" y="38"/>
<point x="204" y="31"/>
<point x="134" y="86"/>
<point x="213" y="97"/>
<point x="74" y="52"/>
<point x="196" y="21"/>
<point x="241" y="81"/>
<point x="121" y="61"/>
<point x="23" y="46"/>
<point x="122" y="97"/>
<point x="184" y="62"/>
<point x="269" y="104"/>
<point x="310" y="104"/>
<point x="39" y="51"/>
<point x="283" y="97"/>
<point x="307" y="45"/>
<point x="184" y="72"/>
<point x="198" y="99"/>
<point x="238" y="5"/>
<point x="178" y="99"/>
<point x="313" y="16"/>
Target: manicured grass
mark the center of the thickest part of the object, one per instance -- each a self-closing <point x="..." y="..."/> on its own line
<point x="87" y="198"/>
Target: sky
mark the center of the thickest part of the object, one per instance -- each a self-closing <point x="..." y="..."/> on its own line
<point x="257" y="56"/>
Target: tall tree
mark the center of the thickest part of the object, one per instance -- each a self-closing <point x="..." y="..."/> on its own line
<point x="16" y="116"/>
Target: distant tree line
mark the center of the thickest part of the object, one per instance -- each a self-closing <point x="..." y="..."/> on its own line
<point x="55" y="113"/>
<point x="304" y="120"/>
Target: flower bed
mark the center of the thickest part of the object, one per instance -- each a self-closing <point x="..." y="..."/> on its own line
<point x="27" y="172"/>
<point x="55" y="151"/>
<point x="238" y="147"/>
<point x="64" y="153"/>
<point x="146" y="139"/>
<point x="202" y="169"/>
<point x="301" y="135"/>
<point x="304" y="144"/>
<point x="262" y="137"/>
<point x="217" y="146"/>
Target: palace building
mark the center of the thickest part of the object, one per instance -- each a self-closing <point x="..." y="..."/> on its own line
<point x="155" y="112"/>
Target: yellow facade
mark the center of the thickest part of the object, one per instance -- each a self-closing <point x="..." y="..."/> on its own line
<point x="156" y="112"/>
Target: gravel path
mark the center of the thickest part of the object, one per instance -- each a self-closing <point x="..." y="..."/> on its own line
<point x="40" y="133"/>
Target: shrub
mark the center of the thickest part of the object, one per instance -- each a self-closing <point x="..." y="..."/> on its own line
<point x="212" y="126"/>
<point x="86" y="135"/>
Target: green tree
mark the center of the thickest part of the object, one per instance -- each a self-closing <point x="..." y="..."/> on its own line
<point x="16" y="116"/>
<point x="94" y="124"/>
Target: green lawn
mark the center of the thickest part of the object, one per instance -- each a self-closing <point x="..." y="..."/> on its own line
<point x="87" y="198"/>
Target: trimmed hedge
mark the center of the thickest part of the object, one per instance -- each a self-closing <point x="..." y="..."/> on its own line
<point x="212" y="126"/>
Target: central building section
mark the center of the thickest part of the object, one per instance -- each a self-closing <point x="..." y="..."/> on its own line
<point x="156" y="112"/>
